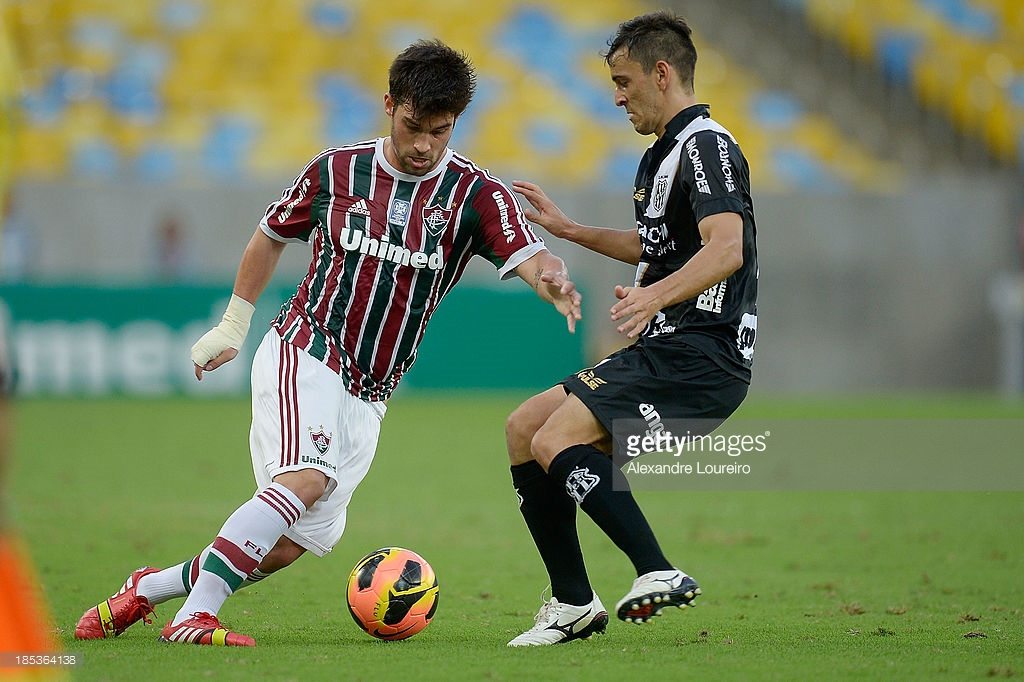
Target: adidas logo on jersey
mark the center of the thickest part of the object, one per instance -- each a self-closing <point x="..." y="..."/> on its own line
<point x="359" y="208"/>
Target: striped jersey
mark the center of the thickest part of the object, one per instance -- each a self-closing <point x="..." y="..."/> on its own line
<point x="387" y="247"/>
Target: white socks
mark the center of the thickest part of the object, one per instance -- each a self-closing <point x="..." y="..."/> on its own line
<point x="242" y="543"/>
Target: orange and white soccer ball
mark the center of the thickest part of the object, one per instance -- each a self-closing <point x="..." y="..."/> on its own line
<point x="392" y="593"/>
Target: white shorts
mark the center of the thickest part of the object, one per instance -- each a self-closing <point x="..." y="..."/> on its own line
<point x="304" y="418"/>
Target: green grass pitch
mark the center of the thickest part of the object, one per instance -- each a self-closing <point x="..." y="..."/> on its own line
<point x="797" y="585"/>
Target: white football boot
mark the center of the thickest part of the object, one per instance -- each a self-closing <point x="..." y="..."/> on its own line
<point x="557" y="622"/>
<point x="654" y="591"/>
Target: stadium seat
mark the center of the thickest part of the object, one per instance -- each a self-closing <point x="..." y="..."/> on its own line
<point x="170" y="89"/>
<point x="959" y="57"/>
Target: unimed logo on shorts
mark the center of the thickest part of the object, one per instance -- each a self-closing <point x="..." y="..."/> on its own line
<point x="306" y="459"/>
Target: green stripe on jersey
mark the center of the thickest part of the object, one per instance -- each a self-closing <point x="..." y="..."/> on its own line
<point x="468" y="219"/>
<point x="362" y="176"/>
<point x="319" y="216"/>
<point x="373" y="324"/>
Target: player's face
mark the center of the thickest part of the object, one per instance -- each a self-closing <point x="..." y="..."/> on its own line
<point x="638" y="93"/>
<point x="417" y="144"/>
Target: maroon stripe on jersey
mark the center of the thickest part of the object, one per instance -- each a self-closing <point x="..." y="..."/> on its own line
<point x="289" y="216"/>
<point x="365" y="279"/>
<point x="334" y="362"/>
<point x="236" y="556"/>
<point x="522" y="222"/>
<point x="329" y="315"/>
<point x="338" y="174"/>
<point x="342" y="183"/>
<point x="396" y="314"/>
<point x="303" y="336"/>
<point x="281" y="504"/>
<point x="288" y="404"/>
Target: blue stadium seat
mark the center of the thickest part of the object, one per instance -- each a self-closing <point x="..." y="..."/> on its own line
<point x="133" y="87"/>
<point x="165" y="83"/>
<point x="227" y="145"/>
<point x="960" y="57"/>
<point x="330" y="17"/>
<point x="964" y="17"/>
<point x="96" y="158"/>
<point x="799" y="169"/>
<point x="45" y="106"/>
<point x="547" y="137"/>
<point x="181" y="16"/>
<point x="538" y="40"/>
<point x="157" y="162"/>
<point x="897" y="51"/>
<point x="775" y="110"/>
<point x="350" y="112"/>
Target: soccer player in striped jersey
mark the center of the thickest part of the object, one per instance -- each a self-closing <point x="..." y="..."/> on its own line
<point x="393" y="223"/>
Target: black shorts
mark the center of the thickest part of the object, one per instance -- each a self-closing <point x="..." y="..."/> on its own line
<point x="660" y="377"/>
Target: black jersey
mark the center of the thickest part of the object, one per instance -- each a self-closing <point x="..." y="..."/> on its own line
<point x="694" y="170"/>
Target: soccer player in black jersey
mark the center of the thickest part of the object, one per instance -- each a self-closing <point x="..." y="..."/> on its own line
<point x="691" y="312"/>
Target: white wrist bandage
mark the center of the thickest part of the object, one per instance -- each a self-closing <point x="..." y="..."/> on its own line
<point x="230" y="333"/>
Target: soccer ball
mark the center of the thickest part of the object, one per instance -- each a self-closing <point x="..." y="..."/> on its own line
<point x="392" y="593"/>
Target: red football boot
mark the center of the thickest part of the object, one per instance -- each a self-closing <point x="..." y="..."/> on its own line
<point x="113" y="616"/>
<point x="203" y="628"/>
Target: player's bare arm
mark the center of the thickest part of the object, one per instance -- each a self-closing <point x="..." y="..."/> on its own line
<point x="222" y="343"/>
<point x="623" y="245"/>
<point x="547" y="275"/>
<point x="721" y="255"/>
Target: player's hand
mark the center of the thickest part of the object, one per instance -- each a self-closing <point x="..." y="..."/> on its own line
<point x="637" y="306"/>
<point x="566" y="299"/>
<point x="545" y="213"/>
<point x="211" y="351"/>
<point x="221" y="344"/>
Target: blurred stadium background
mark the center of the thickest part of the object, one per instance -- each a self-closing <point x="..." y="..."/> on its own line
<point x="141" y="142"/>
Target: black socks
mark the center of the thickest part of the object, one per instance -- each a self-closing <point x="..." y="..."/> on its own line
<point x="586" y="474"/>
<point x="551" y="517"/>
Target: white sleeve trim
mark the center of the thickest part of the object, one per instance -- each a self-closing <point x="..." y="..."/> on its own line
<point x="524" y="254"/>
<point x="267" y="230"/>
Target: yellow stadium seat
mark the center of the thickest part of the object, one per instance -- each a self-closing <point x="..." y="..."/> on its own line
<point x="218" y="68"/>
<point x="39" y="153"/>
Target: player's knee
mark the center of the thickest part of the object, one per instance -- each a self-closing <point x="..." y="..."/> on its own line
<point x="307" y="484"/>
<point x="283" y="554"/>
<point x="518" y="434"/>
<point x="543" y="448"/>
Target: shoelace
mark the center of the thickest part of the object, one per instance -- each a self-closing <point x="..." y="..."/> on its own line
<point x="545" y="611"/>
<point x="142" y="606"/>
<point x="147" y="611"/>
<point x="206" y="619"/>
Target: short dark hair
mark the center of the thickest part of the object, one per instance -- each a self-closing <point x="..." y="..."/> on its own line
<point x="654" y="37"/>
<point x="432" y="79"/>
